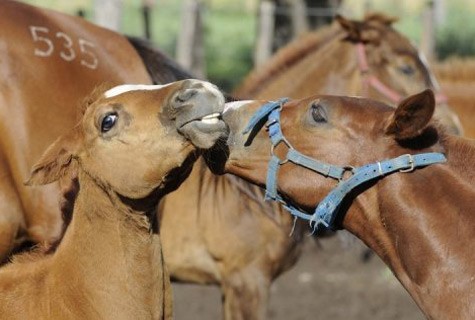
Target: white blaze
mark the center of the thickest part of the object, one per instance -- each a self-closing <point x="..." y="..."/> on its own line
<point x="132" y="87"/>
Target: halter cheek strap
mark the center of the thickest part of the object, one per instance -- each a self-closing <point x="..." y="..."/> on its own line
<point x="327" y="211"/>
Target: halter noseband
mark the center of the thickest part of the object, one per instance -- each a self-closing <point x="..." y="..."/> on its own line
<point x="370" y="80"/>
<point x="327" y="210"/>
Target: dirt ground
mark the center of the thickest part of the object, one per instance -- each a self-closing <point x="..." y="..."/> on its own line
<point x="329" y="282"/>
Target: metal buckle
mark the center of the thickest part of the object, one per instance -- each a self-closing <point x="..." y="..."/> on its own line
<point x="270" y="123"/>
<point x="283" y="140"/>
<point x="411" y="162"/>
<point x="346" y="169"/>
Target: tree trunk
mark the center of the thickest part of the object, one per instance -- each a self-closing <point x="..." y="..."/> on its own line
<point x="108" y="13"/>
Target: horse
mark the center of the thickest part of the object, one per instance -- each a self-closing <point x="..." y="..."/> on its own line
<point x="50" y="62"/>
<point x="72" y="57"/>
<point x="344" y="58"/>
<point x="133" y="145"/>
<point x="457" y="78"/>
<point x="350" y="57"/>
<point x="393" y="177"/>
<point x="196" y="243"/>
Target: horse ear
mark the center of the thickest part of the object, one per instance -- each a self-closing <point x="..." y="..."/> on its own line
<point x="350" y="26"/>
<point x="412" y="115"/>
<point x="357" y="32"/>
<point x="56" y="160"/>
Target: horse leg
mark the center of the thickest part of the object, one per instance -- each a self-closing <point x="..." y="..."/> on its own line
<point x="246" y="295"/>
<point x="11" y="214"/>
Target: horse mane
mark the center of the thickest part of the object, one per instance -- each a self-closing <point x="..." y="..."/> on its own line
<point x="285" y="58"/>
<point x="295" y="51"/>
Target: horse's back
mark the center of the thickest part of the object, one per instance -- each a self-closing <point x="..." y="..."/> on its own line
<point x="49" y="63"/>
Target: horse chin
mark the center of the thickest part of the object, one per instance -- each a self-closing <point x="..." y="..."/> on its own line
<point x="202" y="134"/>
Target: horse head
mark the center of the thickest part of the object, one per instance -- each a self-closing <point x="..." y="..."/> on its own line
<point x="366" y="58"/>
<point x="342" y="133"/>
<point x="391" y="66"/>
<point x="154" y="131"/>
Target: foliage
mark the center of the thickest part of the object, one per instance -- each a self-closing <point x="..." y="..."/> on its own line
<point x="456" y="36"/>
<point x="229" y="43"/>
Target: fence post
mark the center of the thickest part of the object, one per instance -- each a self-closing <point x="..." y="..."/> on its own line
<point x="146" y="9"/>
<point x="298" y="13"/>
<point x="190" y="49"/>
<point x="265" y="32"/>
<point x="427" y="45"/>
<point x="108" y="13"/>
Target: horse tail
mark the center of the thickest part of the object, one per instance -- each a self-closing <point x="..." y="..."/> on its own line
<point x="160" y="67"/>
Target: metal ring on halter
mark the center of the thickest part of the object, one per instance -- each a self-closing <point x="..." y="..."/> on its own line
<point x="411" y="161"/>
<point x="275" y="145"/>
<point x="346" y="169"/>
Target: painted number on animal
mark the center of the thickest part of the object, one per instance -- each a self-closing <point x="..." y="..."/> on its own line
<point x="45" y="47"/>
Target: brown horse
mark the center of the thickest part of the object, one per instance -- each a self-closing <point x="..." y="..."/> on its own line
<point x="49" y="63"/>
<point x="60" y="46"/>
<point x="405" y="186"/>
<point x="367" y="58"/>
<point x="215" y="210"/>
<point x="133" y="145"/>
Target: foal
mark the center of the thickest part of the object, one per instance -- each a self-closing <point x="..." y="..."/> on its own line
<point x="415" y="210"/>
<point x="133" y="145"/>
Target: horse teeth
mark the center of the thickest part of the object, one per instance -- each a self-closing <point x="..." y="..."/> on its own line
<point x="211" y="119"/>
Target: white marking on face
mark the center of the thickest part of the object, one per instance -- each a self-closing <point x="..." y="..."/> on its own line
<point x="235" y="104"/>
<point x="132" y="87"/>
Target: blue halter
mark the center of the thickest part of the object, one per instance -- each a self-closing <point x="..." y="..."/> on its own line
<point x="327" y="210"/>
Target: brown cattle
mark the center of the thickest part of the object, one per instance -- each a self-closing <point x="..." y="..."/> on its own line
<point x="392" y="177"/>
<point x="133" y="145"/>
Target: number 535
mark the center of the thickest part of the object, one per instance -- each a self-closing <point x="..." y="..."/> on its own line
<point x="42" y="37"/>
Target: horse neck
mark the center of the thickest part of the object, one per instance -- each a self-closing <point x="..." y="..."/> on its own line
<point x="321" y="61"/>
<point x="333" y="69"/>
<point x="108" y="248"/>
<point x="421" y="224"/>
<point x="228" y="194"/>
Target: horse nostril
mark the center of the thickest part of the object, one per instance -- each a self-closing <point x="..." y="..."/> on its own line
<point x="186" y="95"/>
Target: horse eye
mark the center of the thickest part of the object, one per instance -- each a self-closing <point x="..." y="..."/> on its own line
<point x="318" y="113"/>
<point x="108" y="121"/>
<point x="407" y="70"/>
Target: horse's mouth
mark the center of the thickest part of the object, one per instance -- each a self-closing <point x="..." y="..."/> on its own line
<point x="213" y="118"/>
<point x="210" y="120"/>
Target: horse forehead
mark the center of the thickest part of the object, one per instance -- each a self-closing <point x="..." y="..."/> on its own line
<point x="124" y="88"/>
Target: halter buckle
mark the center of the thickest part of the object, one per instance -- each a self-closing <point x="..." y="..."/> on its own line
<point x="346" y="169"/>
<point x="411" y="162"/>
<point x="275" y="145"/>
